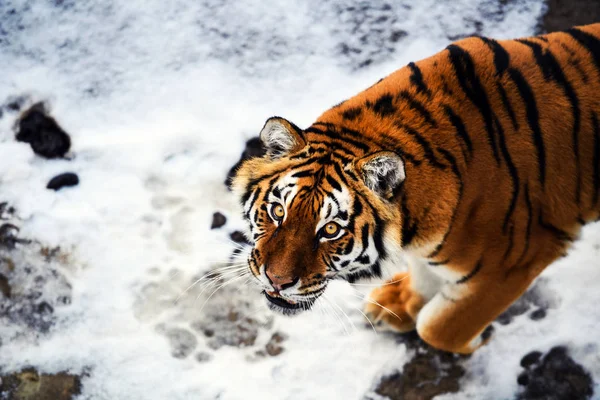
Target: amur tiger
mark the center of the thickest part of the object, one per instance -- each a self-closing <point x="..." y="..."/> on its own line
<point x="478" y="165"/>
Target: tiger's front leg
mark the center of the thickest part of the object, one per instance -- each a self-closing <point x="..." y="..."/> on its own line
<point x="448" y="314"/>
<point x="458" y="318"/>
<point x="394" y="306"/>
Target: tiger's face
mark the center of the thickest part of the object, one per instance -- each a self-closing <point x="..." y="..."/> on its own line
<point x="314" y="216"/>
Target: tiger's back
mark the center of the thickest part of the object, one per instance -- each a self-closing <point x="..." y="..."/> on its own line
<point x="513" y="126"/>
<point x="480" y="164"/>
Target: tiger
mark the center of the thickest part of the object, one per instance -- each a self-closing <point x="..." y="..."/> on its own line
<point x="474" y="169"/>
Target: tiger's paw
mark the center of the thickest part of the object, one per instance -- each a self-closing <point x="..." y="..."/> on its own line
<point x="394" y="305"/>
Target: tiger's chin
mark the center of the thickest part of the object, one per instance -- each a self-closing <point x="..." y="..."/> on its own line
<point x="287" y="307"/>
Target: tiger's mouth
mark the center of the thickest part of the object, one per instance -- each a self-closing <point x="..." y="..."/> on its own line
<point x="285" y="306"/>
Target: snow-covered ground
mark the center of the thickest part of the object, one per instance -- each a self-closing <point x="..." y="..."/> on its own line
<point x="159" y="98"/>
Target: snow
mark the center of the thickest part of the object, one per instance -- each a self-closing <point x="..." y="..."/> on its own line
<point x="159" y="98"/>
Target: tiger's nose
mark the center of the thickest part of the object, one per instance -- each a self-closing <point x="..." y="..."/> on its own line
<point x="280" y="283"/>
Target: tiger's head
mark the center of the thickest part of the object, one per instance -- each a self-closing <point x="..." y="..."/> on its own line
<point x="316" y="211"/>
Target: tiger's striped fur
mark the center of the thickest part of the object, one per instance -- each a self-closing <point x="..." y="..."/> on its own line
<point x="479" y="164"/>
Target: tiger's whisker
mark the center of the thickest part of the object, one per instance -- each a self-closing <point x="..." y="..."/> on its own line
<point x="378" y="285"/>
<point x="370" y="300"/>
<point x="209" y="275"/>
<point x="328" y="300"/>
<point x="219" y="288"/>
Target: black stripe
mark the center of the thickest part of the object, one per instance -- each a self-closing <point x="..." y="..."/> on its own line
<point x="438" y="248"/>
<point x="456" y="171"/>
<point x="329" y="210"/>
<point x="330" y="146"/>
<point x="378" y="238"/>
<point x="452" y="161"/>
<point x="466" y="75"/>
<point x="427" y="150"/>
<point x="461" y="130"/>
<point x="502" y="62"/>
<point x="559" y="233"/>
<point x="409" y="229"/>
<point x="334" y="184"/>
<point x="364" y="237"/>
<point x="533" y="119"/>
<point x="351" y="113"/>
<point x="328" y="263"/>
<point x="529" y="220"/>
<point x="363" y="259"/>
<point x="596" y="159"/>
<point x="418" y="107"/>
<point x="340" y="173"/>
<point x="384" y="105"/>
<point x="514" y="175"/>
<point x="407" y="156"/>
<point x="357" y="207"/>
<point x="589" y="42"/>
<point x="254" y="199"/>
<point x="508" y="107"/>
<point x="553" y="71"/>
<point x="416" y="79"/>
<point x="334" y="135"/>
<point x="471" y="274"/>
<point x="343" y="215"/>
<point x="277" y="193"/>
<point x="436" y="263"/>
<point x="282" y="170"/>
<point x="376" y="270"/>
<point x="501" y="57"/>
<point x="510" y="243"/>
<point x="303" y="174"/>
<point x="349" y="247"/>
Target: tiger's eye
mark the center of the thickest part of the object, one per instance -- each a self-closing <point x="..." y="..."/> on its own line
<point x="277" y="212"/>
<point x="331" y="229"/>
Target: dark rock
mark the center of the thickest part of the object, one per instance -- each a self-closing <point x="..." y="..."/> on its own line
<point x="43" y="133"/>
<point x="430" y="373"/>
<point x="538" y="314"/>
<point x="254" y="148"/>
<point x="555" y="377"/>
<point x="63" y="180"/>
<point x="530" y="358"/>
<point x="6" y="211"/>
<point x="218" y="220"/>
<point x="488" y="332"/>
<point x="9" y="236"/>
<point x="564" y="14"/>
<point x="31" y="385"/>
<point x="523" y="379"/>
<point x="239" y="237"/>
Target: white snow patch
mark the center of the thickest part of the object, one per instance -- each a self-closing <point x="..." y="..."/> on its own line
<point x="159" y="97"/>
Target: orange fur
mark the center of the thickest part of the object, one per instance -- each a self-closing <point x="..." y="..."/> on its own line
<point x="500" y="147"/>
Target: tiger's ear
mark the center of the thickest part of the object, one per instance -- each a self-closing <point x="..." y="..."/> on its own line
<point x="382" y="172"/>
<point x="280" y="137"/>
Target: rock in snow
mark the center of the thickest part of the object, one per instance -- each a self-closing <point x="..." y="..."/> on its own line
<point x="43" y="133"/>
<point x="63" y="180"/>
